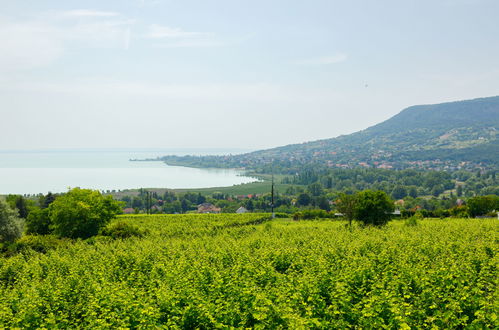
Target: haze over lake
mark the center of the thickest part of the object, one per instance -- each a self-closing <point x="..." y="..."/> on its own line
<point x="41" y="171"/>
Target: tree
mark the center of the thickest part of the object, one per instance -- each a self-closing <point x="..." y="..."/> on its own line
<point x="303" y="199"/>
<point x="38" y="222"/>
<point x="249" y="205"/>
<point x="399" y="192"/>
<point x="10" y="224"/>
<point x="47" y="200"/>
<point x="373" y="207"/>
<point x="81" y="213"/>
<point x="481" y="205"/>
<point x="413" y="192"/>
<point x="22" y="207"/>
<point x="315" y="189"/>
<point x="437" y="190"/>
<point x="346" y="205"/>
<point x="323" y="203"/>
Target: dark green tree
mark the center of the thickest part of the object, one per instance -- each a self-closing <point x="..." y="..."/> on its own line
<point x="303" y="199"/>
<point x="413" y="192"/>
<point x="38" y="222"/>
<point x="315" y="189"/>
<point x="373" y="207"/>
<point x="47" y="200"/>
<point x="481" y="205"/>
<point x="399" y="192"/>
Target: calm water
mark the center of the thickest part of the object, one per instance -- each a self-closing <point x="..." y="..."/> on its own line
<point x="42" y="171"/>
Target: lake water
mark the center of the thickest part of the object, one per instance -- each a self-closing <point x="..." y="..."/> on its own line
<point x="32" y="172"/>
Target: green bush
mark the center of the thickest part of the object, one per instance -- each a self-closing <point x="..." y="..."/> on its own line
<point x="411" y="221"/>
<point x="38" y="243"/>
<point x="460" y="211"/>
<point x="81" y="213"/>
<point x="122" y="230"/>
<point x="312" y="214"/>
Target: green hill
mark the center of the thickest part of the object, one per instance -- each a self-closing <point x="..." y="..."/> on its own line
<point x="452" y="135"/>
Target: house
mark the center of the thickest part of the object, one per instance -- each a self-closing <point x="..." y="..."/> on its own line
<point x="208" y="208"/>
<point x="399" y="202"/>
<point x="241" y="210"/>
<point x="128" y="210"/>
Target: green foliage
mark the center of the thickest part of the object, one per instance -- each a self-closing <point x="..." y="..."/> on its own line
<point x="122" y="230"/>
<point x="412" y="221"/>
<point x="373" y="207"/>
<point x="38" y="222"/>
<point x="346" y="205"/>
<point x="460" y="211"/>
<point x="482" y="205"/>
<point x="303" y="199"/>
<point x="81" y="213"/>
<point x="426" y="136"/>
<point x="10" y="224"/>
<point x="38" y="243"/>
<point x="204" y="271"/>
<point x="312" y="214"/>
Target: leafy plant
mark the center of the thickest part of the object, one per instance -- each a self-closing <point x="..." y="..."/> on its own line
<point x="81" y="213"/>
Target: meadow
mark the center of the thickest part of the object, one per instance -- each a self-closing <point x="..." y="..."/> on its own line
<point x="248" y="271"/>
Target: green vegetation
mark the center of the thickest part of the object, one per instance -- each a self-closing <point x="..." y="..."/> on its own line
<point x="373" y="207"/>
<point x="482" y="205"/>
<point x="221" y="271"/>
<point x="10" y="224"/>
<point x="79" y="213"/>
<point x="439" y="193"/>
<point x="448" y="136"/>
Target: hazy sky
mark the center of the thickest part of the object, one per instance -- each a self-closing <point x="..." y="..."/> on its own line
<point x="233" y="73"/>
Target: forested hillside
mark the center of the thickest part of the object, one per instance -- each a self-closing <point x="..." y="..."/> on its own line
<point x="447" y="136"/>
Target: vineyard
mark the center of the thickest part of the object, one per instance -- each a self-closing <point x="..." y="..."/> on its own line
<point x="220" y="271"/>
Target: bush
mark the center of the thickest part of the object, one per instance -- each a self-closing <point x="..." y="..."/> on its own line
<point x="38" y="243"/>
<point x="412" y="221"/>
<point x="460" y="211"/>
<point x="81" y="213"/>
<point x="373" y="207"/>
<point x="311" y="214"/>
<point x="38" y="222"/>
<point x="10" y="224"/>
<point x="441" y="213"/>
<point x="122" y="230"/>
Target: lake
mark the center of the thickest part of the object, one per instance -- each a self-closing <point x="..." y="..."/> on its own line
<point x="33" y="172"/>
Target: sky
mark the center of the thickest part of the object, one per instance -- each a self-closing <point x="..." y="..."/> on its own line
<point x="232" y="73"/>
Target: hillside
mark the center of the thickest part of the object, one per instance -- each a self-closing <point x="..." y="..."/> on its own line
<point x="442" y="136"/>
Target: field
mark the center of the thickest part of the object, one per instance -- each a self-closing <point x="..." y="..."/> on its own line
<point x="220" y="271"/>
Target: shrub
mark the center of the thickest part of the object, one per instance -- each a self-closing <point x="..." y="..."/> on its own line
<point x="311" y="214"/>
<point x="10" y="224"/>
<point x="38" y="243"/>
<point x="460" y="211"/>
<point x="412" y="221"/>
<point x="81" y="213"/>
<point x="122" y="230"/>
